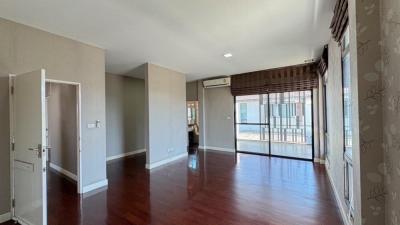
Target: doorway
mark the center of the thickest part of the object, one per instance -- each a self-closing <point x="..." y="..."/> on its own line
<point x="193" y="124"/>
<point x="63" y="131"/>
<point x="275" y="124"/>
<point x="30" y="135"/>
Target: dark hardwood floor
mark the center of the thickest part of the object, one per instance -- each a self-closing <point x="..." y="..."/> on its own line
<point x="206" y="188"/>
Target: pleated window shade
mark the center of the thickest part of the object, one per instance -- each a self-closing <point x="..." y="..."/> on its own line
<point x="285" y="79"/>
<point x="323" y="62"/>
<point x="340" y="19"/>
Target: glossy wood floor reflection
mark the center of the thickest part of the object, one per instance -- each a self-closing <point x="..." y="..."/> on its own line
<point x="206" y="188"/>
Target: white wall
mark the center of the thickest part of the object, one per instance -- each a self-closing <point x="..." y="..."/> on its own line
<point x="335" y="161"/>
<point x="166" y="130"/>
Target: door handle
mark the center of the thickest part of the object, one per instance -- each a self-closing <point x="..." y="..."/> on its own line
<point x="39" y="150"/>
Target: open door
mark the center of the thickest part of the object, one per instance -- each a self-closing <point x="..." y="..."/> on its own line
<point x="29" y="157"/>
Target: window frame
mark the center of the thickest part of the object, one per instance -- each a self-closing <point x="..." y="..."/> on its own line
<point x="347" y="154"/>
<point x="325" y="114"/>
<point x="345" y="52"/>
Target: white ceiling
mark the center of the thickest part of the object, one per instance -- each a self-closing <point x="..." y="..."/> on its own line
<point x="190" y="36"/>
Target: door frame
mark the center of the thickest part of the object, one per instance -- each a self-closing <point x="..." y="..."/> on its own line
<point x="12" y="141"/>
<point x="269" y="131"/>
<point x="79" y="139"/>
<point x="79" y="130"/>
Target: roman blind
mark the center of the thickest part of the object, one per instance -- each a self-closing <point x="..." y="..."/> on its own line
<point x="285" y="79"/>
<point x="323" y="62"/>
<point x="340" y="19"/>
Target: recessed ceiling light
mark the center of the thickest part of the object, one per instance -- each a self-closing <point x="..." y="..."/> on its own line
<point x="228" y="55"/>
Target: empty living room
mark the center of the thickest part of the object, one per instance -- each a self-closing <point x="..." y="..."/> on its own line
<point x="200" y="112"/>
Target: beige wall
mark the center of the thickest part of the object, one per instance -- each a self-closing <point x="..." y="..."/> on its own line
<point x="191" y="91"/>
<point x="62" y="125"/>
<point x="365" y="52"/>
<point x="166" y="127"/>
<point x="390" y="19"/>
<point x="125" y="108"/>
<point x="4" y="145"/>
<point x="219" y="118"/>
<point x="24" y="49"/>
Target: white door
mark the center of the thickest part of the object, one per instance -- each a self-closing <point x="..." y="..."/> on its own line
<point x="30" y="196"/>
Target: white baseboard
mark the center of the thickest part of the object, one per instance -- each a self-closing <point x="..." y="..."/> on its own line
<point x="94" y="186"/>
<point x="5" y="217"/>
<point x="126" y="154"/>
<point x="320" y="161"/>
<point x="165" y="161"/>
<point x="22" y="222"/>
<point x="63" y="171"/>
<point x="217" y="148"/>
<point x="338" y="202"/>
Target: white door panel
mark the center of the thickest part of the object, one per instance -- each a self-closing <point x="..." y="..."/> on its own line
<point x="29" y="156"/>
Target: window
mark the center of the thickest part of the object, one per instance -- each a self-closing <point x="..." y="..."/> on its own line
<point x="347" y="102"/>
<point x="347" y="113"/>
<point x="243" y="112"/>
<point x="347" y="120"/>
<point x="325" y="113"/>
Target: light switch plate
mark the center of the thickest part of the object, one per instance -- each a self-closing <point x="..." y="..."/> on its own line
<point x="91" y="125"/>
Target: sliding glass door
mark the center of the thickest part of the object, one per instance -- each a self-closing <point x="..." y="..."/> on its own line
<point x="278" y="124"/>
<point x="291" y="124"/>
<point x="252" y="127"/>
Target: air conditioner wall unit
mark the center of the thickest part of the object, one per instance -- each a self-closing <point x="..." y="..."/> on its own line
<point x="219" y="82"/>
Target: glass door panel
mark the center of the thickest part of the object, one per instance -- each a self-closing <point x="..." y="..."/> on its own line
<point x="252" y="109"/>
<point x="252" y="138"/>
<point x="291" y="124"/>
<point x="252" y="129"/>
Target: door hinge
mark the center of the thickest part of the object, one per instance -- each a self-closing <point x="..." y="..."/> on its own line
<point x="12" y="90"/>
<point x="13" y="203"/>
<point x="12" y="144"/>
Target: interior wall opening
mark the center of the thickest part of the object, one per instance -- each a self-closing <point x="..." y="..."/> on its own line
<point x="193" y="123"/>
